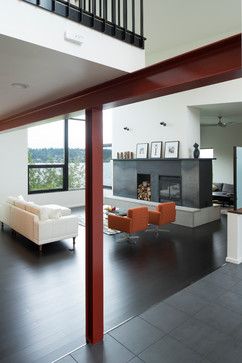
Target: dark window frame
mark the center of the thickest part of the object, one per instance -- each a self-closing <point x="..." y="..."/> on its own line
<point x="64" y="166"/>
<point x="107" y="146"/>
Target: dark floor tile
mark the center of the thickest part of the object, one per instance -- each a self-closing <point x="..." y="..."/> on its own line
<point x="164" y="317"/>
<point x="232" y="301"/>
<point x="219" y="318"/>
<point x="108" y="351"/>
<point x="186" y="302"/>
<point x="169" y="350"/>
<point x="136" y="335"/>
<point x="232" y="270"/>
<point x="200" y="337"/>
<point x="136" y="360"/>
<point x="226" y="353"/>
<point x="67" y="359"/>
<point x="237" y="289"/>
<point x="206" y="290"/>
<point x="222" y="279"/>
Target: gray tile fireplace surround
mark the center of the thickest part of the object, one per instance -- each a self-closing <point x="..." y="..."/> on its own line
<point x="195" y="177"/>
<point x="194" y="208"/>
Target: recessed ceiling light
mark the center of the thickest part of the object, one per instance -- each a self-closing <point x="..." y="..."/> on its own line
<point x="20" y="85"/>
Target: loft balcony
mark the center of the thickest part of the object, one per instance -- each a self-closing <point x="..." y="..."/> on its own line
<point x="121" y="19"/>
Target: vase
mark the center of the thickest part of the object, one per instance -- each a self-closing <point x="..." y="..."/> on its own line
<point x="196" y="151"/>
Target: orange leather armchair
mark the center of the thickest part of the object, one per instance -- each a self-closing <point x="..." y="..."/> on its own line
<point x="137" y="220"/>
<point x="165" y="213"/>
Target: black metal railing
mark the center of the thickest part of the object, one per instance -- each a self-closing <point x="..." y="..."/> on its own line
<point x="122" y="19"/>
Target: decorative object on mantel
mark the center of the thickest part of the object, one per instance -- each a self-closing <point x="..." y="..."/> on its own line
<point x="126" y="155"/>
<point x="172" y="149"/>
<point x="156" y="150"/>
<point x="196" y="151"/>
<point x="142" y="151"/>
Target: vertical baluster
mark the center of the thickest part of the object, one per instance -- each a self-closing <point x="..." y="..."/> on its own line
<point x="119" y="12"/>
<point x="142" y="18"/>
<point x="133" y="16"/>
<point x="125" y="14"/>
<point x="100" y="8"/>
<point x="105" y="9"/>
<point x="84" y="3"/>
<point x="68" y="8"/>
<point x="89" y="6"/>
<point x="114" y="12"/>
<point x="81" y="8"/>
<point x="94" y="8"/>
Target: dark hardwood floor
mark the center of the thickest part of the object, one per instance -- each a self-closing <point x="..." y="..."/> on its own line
<point x="42" y="297"/>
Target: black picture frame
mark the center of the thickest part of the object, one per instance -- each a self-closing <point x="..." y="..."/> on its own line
<point x="142" y="151"/>
<point x="172" y="149"/>
<point x="156" y="150"/>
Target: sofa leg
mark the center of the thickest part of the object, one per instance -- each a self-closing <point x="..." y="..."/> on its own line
<point x="73" y="244"/>
<point x="2" y="226"/>
<point x="40" y="249"/>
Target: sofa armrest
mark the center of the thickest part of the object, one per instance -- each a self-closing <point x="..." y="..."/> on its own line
<point x="119" y="223"/>
<point x="56" y="228"/>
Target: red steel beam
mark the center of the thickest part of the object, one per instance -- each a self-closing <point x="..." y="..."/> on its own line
<point x="214" y="63"/>
<point x="94" y="225"/>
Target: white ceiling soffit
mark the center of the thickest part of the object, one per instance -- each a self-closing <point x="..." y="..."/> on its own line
<point x="169" y="24"/>
<point x="230" y="112"/>
<point x="49" y="74"/>
<point x="223" y="109"/>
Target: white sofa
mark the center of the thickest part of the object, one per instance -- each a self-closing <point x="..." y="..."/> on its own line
<point x="40" y="224"/>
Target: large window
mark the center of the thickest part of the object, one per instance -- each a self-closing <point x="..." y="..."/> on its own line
<point x="76" y="137"/>
<point x="56" y="153"/>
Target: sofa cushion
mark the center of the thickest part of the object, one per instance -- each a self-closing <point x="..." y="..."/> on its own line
<point x="63" y="210"/>
<point x="54" y="213"/>
<point x="11" y="200"/>
<point x="219" y="187"/>
<point x="20" y="204"/>
<point x="41" y="212"/>
<point x="228" y="188"/>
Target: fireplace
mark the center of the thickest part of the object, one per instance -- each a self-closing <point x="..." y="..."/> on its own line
<point x="143" y="187"/>
<point x="170" y="189"/>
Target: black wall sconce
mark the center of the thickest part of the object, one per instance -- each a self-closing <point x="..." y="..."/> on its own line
<point x="126" y="128"/>
<point x="163" y="124"/>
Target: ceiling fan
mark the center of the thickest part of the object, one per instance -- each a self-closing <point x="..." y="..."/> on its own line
<point x="220" y="123"/>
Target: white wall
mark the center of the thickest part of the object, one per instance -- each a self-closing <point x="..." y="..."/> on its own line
<point x="35" y="25"/>
<point x="13" y="161"/>
<point x="222" y="140"/>
<point x="183" y="121"/>
<point x="14" y="173"/>
<point x="161" y="55"/>
<point x="143" y="120"/>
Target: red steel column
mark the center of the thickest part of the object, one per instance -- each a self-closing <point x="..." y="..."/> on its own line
<point x="94" y="225"/>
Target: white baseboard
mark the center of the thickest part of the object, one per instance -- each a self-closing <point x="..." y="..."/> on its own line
<point x="234" y="260"/>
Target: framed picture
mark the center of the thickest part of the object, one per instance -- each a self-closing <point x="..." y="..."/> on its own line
<point x="156" y="150"/>
<point x="172" y="149"/>
<point x="142" y="151"/>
